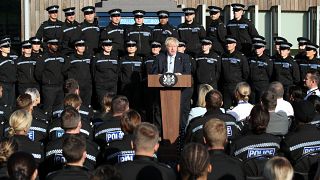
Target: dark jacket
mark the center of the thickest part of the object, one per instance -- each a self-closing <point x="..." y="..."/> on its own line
<point x="260" y="68"/>
<point x="69" y="36"/>
<point x="69" y="172"/>
<point x="90" y="32"/>
<point x="142" y="35"/>
<point x="217" y="33"/>
<point x="50" y="30"/>
<point x="116" y="34"/>
<point x="25" y="70"/>
<point x="286" y="71"/>
<point x="78" y="67"/>
<point x="182" y="64"/>
<point x="7" y="70"/>
<point x="208" y="68"/>
<point x="161" y="32"/>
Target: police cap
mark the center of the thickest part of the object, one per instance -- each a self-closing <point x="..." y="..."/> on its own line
<point x="69" y="11"/>
<point x="163" y="14"/>
<point x="35" y="40"/>
<point x="155" y="44"/>
<point x="107" y="42"/>
<point x="189" y="11"/>
<point x="131" y="43"/>
<point x="79" y="42"/>
<point x="88" y="9"/>
<point x="52" y="9"/>
<point x="237" y="6"/>
<point x="285" y="45"/>
<point x="115" y="12"/>
<point x="302" y="41"/>
<point x="311" y="46"/>
<point x="206" y="41"/>
<point x="53" y="41"/>
<point x="230" y="39"/>
<point x="138" y="13"/>
<point x="214" y="9"/>
<point x="26" y="44"/>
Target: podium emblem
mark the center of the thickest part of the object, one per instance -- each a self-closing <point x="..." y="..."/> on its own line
<point x="168" y="79"/>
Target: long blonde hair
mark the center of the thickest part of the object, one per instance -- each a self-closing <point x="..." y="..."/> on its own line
<point x="203" y="90"/>
<point x="20" y="120"/>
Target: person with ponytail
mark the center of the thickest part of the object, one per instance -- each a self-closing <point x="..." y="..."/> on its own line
<point x="22" y="166"/>
<point x="243" y="109"/>
<point x="194" y="162"/>
<point x="7" y="148"/>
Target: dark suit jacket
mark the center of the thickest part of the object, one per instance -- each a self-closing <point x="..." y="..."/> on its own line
<point x="182" y="64"/>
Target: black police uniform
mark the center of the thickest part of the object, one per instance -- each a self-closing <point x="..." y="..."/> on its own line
<point x="70" y="172"/>
<point x="119" y="151"/>
<point x="194" y="131"/>
<point x="90" y="33"/>
<point x="208" y="69"/>
<point x="191" y="34"/>
<point x="301" y="55"/>
<point x="49" y="71"/>
<point x="107" y="131"/>
<point x="85" y="112"/>
<point x="130" y="170"/>
<point x="131" y="79"/>
<point x="236" y="63"/>
<point x="252" y="145"/>
<point x="78" y="67"/>
<point x="7" y="79"/>
<point x="225" y="166"/>
<point x="38" y="113"/>
<point x="105" y="72"/>
<point x="261" y="68"/>
<point x="69" y="35"/>
<point x="54" y="158"/>
<point x="308" y="64"/>
<point x="23" y="143"/>
<point x="25" y="74"/>
<point x="50" y="30"/>
<point x="141" y="34"/>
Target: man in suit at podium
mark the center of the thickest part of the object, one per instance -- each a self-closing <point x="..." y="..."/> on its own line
<point x="174" y="62"/>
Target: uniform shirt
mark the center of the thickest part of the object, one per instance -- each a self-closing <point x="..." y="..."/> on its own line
<point x="116" y="34"/>
<point x="208" y="68"/>
<point x="130" y="69"/>
<point x="69" y="172"/>
<point x="161" y="32"/>
<point x="305" y="65"/>
<point x="286" y="71"/>
<point x="105" y="70"/>
<point x="142" y="35"/>
<point x="129" y="170"/>
<point x="260" y="68"/>
<point x="85" y="112"/>
<point x="225" y="166"/>
<point x="285" y="106"/>
<point x="191" y="34"/>
<point x="194" y="131"/>
<point x="313" y="91"/>
<point x="217" y="33"/>
<point x="241" y="111"/>
<point x="252" y="145"/>
<point x="119" y="151"/>
<point x="69" y="36"/>
<point x="50" y="30"/>
<point x="78" y="67"/>
<point x="90" y="33"/>
<point x="7" y="69"/>
<point x="109" y="130"/>
<point x="147" y="65"/>
<point x="25" y="70"/>
<point x="236" y="63"/>
<point x="49" y="69"/>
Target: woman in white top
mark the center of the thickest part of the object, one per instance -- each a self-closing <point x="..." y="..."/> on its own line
<point x="243" y="109"/>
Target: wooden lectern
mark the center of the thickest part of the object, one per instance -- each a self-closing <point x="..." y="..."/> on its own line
<point x="170" y="104"/>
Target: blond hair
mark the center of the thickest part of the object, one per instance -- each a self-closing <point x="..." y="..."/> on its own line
<point x="243" y="91"/>
<point x="203" y="90"/>
<point x="278" y="168"/>
<point x="215" y="132"/>
<point x="6" y="149"/>
<point x="170" y="40"/>
<point x="20" y="120"/>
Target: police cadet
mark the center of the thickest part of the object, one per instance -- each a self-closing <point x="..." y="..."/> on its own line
<point x="286" y="69"/>
<point x="89" y="30"/>
<point x="25" y="69"/>
<point x="69" y="31"/>
<point x="131" y="75"/>
<point x="71" y="124"/>
<point x="301" y="55"/>
<point x="145" y="143"/>
<point x="304" y="139"/>
<point x="235" y="62"/>
<point x="77" y="67"/>
<point x="140" y="33"/>
<point x="115" y="32"/>
<point x="208" y="65"/>
<point x="191" y="32"/>
<point x="310" y="61"/>
<point x="261" y="67"/>
<point x="105" y="70"/>
<point x="7" y="74"/>
<point x="36" y="47"/>
<point x="241" y="28"/>
<point x="13" y="55"/>
<point x="49" y="72"/>
<point x="277" y="41"/>
<point x="217" y="30"/>
<point x="50" y="29"/>
<point x="214" y="102"/>
<point x="164" y="29"/>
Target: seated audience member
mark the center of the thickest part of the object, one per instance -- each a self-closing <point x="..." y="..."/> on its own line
<point x="71" y="124"/>
<point x="20" y="123"/>
<point x="121" y="150"/>
<point x="315" y="100"/>
<point x="243" y="109"/>
<point x="215" y="135"/>
<point x="74" y="151"/>
<point x="145" y="144"/>
<point x="256" y="142"/>
<point x="106" y="104"/>
<point x="5" y="111"/>
<point x="22" y="165"/>
<point x="279" y="122"/>
<point x="282" y="105"/>
<point x="37" y="113"/>
<point x="295" y="94"/>
<point x="108" y="129"/>
<point x="194" y="162"/>
<point x="55" y="129"/>
<point x="278" y="168"/>
<point x="306" y="137"/>
<point x="7" y="148"/>
<point x="311" y="81"/>
<point x="213" y="100"/>
<point x="105" y="172"/>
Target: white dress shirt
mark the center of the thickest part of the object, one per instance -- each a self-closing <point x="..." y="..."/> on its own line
<point x="241" y="111"/>
<point x="313" y="91"/>
<point x="170" y="63"/>
<point x="285" y="106"/>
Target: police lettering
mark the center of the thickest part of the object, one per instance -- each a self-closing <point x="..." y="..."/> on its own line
<point x="254" y="152"/>
<point x="31" y="135"/>
<point x="115" y="135"/>
<point x="229" y="131"/>
<point x="310" y="149"/>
